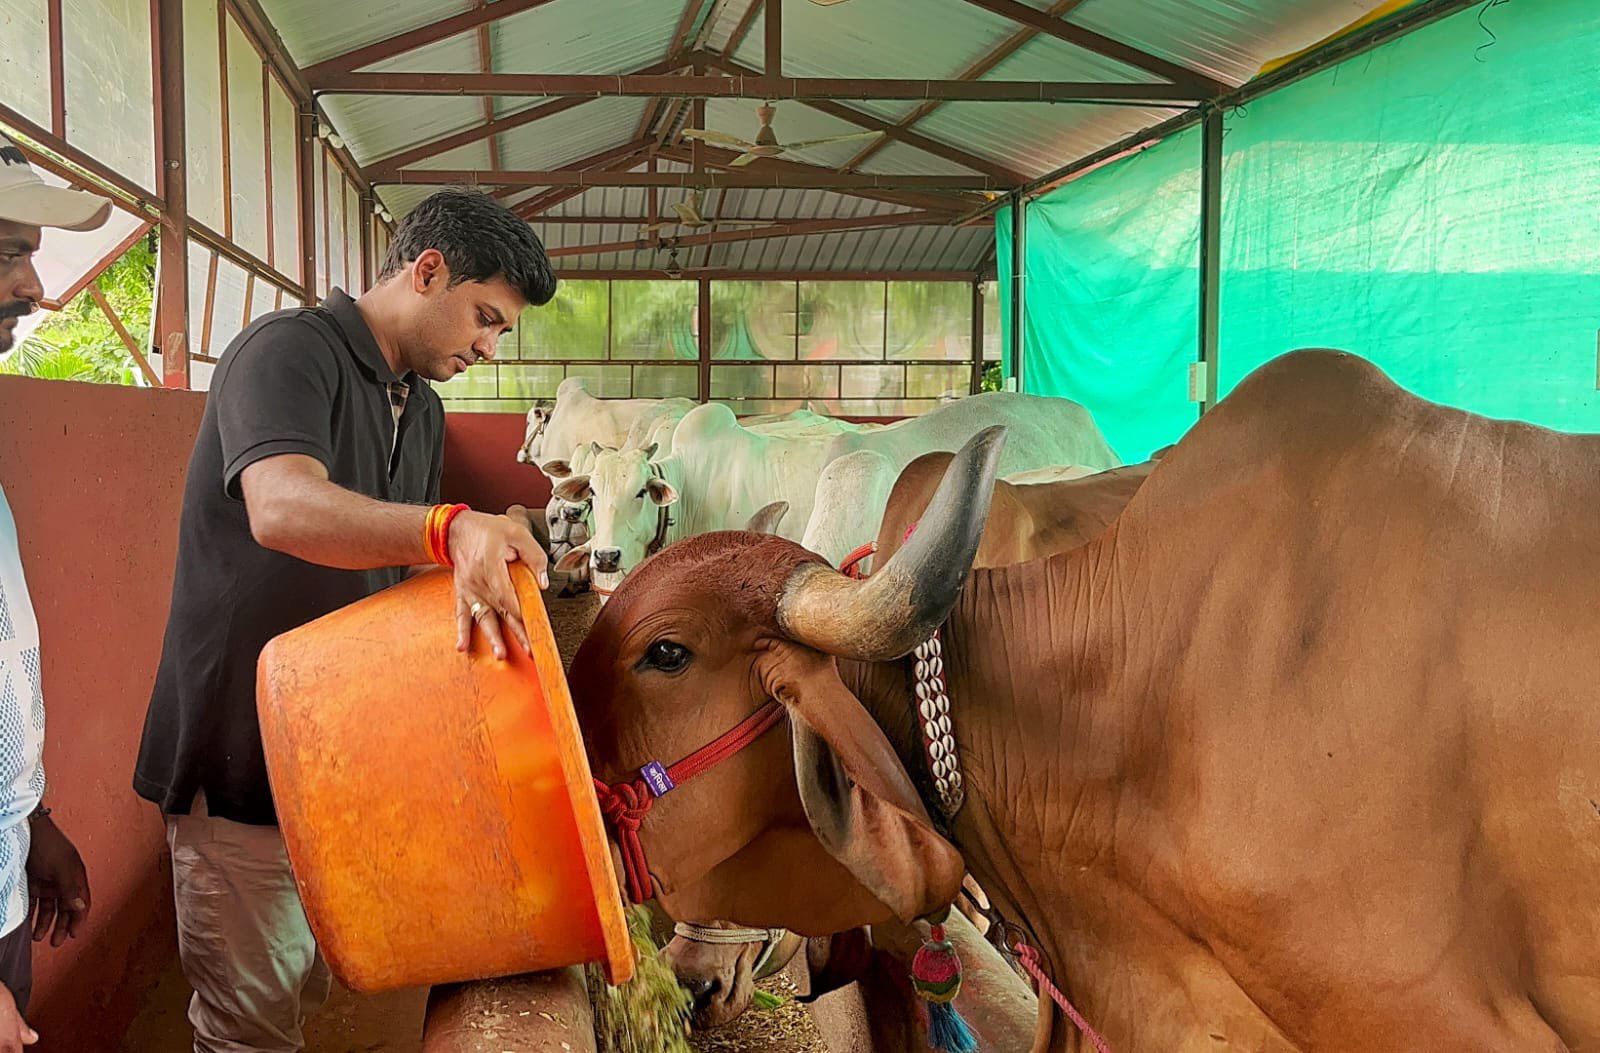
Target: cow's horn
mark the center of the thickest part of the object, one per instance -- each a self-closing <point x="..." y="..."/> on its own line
<point x="900" y="606"/>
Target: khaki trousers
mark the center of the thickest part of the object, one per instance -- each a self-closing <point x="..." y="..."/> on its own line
<point x="243" y="939"/>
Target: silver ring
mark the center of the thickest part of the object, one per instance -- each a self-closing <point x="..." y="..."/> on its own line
<point x="477" y="609"/>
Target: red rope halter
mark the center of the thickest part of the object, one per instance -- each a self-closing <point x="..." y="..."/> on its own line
<point x="625" y="805"/>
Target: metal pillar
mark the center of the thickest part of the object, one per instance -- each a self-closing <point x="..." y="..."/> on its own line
<point x="1210" y="254"/>
<point x="1019" y="252"/>
<point x="704" y="334"/>
<point x="172" y="301"/>
<point x="976" y="384"/>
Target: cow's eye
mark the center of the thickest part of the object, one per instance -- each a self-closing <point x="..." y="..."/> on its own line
<point x="667" y="656"/>
<point x="642" y="491"/>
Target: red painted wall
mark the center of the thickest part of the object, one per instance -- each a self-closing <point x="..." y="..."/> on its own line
<point x="480" y="463"/>
<point x="94" y="475"/>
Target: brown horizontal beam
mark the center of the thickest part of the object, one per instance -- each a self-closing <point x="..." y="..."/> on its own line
<point x="431" y="33"/>
<point x="738" y="178"/>
<point x="796" y="228"/>
<point x="1200" y="85"/>
<point x="714" y="87"/>
<point x="723" y="159"/>
<point x="625" y="155"/>
<point x="498" y="126"/>
<point x="745" y="274"/>
<point x="396" y="161"/>
<point x="953" y="154"/>
<point x="641" y="221"/>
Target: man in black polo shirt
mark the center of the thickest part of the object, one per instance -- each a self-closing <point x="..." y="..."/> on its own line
<point x="309" y="488"/>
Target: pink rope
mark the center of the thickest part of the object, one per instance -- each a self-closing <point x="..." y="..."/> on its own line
<point x="1034" y="968"/>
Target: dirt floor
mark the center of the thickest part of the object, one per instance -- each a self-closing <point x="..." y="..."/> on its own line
<point x="392" y="1022"/>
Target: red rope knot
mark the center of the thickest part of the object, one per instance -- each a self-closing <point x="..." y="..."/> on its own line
<point x="626" y="804"/>
<point x="624" y="807"/>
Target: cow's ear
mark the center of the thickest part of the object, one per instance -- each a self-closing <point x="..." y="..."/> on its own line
<point x="857" y="796"/>
<point x="575" y="489"/>
<point x="766" y="520"/>
<point x="557" y="469"/>
<point x="661" y="491"/>
<point x="576" y="558"/>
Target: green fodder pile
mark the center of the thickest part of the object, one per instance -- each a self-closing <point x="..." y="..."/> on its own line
<point x="648" y="1014"/>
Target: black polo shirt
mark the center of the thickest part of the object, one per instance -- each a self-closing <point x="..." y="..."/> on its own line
<point x="310" y="381"/>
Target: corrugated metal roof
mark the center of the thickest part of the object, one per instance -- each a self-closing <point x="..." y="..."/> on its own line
<point x="375" y="126"/>
<point x="1229" y="39"/>
<point x="566" y="137"/>
<point x="907" y="248"/>
<point x="317" y="30"/>
<point x="585" y="36"/>
<point x="633" y="202"/>
<point x="1226" y="39"/>
<point x="881" y="38"/>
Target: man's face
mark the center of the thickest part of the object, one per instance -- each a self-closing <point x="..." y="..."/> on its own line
<point x="20" y="288"/>
<point x="455" y="326"/>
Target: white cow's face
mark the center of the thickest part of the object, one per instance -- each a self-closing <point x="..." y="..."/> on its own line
<point x="533" y="433"/>
<point x="569" y="521"/>
<point x="628" y="500"/>
<point x="569" y="525"/>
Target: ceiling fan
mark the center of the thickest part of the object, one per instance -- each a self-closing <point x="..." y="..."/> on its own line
<point x="766" y="143"/>
<point x="690" y="216"/>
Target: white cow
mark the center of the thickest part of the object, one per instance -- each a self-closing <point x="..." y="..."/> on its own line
<point x="568" y="521"/>
<point x="719" y="475"/>
<point x="861" y="468"/>
<point x="576" y="417"/>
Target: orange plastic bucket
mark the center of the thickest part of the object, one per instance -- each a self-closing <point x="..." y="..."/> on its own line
<point x="437" y="807"/>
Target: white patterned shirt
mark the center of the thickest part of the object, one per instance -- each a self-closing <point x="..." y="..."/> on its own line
<point x="21" y="725"/>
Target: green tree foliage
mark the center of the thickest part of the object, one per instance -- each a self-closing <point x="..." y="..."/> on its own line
<point x="78" y="342"/>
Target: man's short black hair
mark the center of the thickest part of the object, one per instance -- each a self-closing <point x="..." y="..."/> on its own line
<point x="480" y="240"/>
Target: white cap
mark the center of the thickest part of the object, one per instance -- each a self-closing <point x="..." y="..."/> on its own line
<point x="25" y="198"/>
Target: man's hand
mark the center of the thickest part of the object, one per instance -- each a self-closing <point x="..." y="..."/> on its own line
<point x="14" y="1031"/>
<point x="481" y="546"/>
<point x="58" y="886"/>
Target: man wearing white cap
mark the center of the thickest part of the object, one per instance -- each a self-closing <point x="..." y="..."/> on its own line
<point x="28" y="203"/>
<point x="40" y="871"/>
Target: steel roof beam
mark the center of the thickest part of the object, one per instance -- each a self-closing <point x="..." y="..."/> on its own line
<point x="715" y="87"/>
<point x="793" y="228"/>
<point x="432" y="33"/>
<point x="891" y="132"/>
<point x="736" y="178"/>
<point x="1202" y="86"/>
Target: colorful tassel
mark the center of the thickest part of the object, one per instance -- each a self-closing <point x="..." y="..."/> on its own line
<point x="936" y="977"/>
<point x="947" y="1031"/>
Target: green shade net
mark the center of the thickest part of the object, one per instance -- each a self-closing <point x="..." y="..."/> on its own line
<point x="1432" y="205"/>
<point x="1111" y="302"/>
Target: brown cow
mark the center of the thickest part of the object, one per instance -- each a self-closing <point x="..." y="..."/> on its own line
<point x="1024" y="522"/>
<point x="1300" y="754"/>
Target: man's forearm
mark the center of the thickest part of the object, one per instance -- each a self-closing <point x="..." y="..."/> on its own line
<point x="321" y="522"/>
